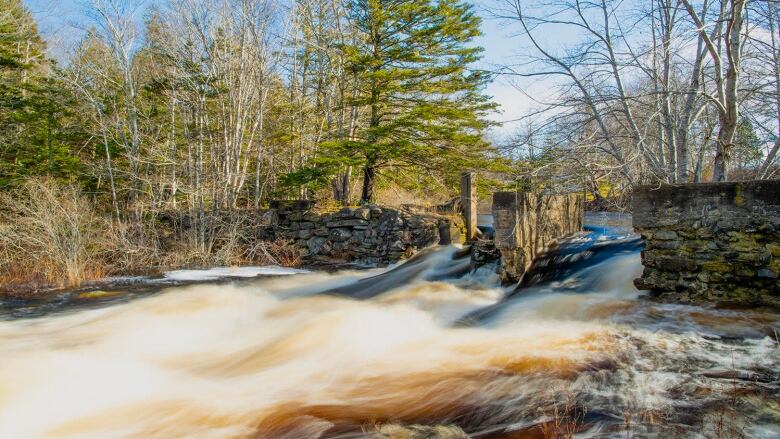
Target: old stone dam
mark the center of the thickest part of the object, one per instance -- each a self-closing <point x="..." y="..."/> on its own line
<point x="429" y="348"/>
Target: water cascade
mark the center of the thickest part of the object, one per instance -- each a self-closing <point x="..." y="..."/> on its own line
<point x="423" y="349"/>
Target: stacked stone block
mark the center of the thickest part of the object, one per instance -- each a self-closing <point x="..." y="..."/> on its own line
<point x="711" y="241"/>
<point x="369" y="234"/>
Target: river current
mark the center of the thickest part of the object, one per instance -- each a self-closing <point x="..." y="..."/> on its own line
<point x="425" y="349"/>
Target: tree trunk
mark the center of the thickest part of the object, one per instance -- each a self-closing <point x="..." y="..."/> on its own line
<point x="723" y="150"/>
<point x="369" y="175"/>
<point x="340" y="185"/>
<point x="729" y="115"/>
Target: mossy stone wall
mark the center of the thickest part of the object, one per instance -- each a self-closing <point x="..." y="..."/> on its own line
<point x="715" y="242"/>
<point x="371" y="234"/>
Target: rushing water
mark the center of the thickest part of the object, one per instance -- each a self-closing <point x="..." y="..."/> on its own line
<point x="426" y="349"/>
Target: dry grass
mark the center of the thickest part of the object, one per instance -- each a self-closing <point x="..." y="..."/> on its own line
<point x="52" y="235"/>
<point x="278" y="252"/>
<point x="50" y="232"/>
<point x="564" y="419"/>
<point x="397" y="196"/>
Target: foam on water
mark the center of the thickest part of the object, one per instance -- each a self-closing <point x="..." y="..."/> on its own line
<point x="222" y="272"/>
<point x="338" y="355"/>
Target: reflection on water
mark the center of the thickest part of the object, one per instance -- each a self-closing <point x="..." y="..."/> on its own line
<point x="385" y="353"/>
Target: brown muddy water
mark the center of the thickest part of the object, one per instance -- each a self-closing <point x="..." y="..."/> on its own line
<point x="427" y="347"/>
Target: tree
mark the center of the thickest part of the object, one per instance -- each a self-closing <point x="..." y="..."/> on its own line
<point x="726" y="78"/>
<point x="763" y="50"/>
<point x="35" y="129"/>
<point x="650" y="91"/>
<point x="423" y="102"/>
<point x="747" y="154"/>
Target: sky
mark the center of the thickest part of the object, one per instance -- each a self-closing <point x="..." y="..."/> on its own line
<point x="59" y="23"/>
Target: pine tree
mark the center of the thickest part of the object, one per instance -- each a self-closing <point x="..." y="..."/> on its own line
<point x="36" y="129"/>
<point x="423" y="101"/>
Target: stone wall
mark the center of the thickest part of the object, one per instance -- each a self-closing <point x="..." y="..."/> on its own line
<point x="370" y="234"/>
<point x="525" y="223"/>
<point x="711" y="241"/>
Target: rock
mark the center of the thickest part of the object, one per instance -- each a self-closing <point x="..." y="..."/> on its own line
<point x="398" y="245"/>
<point x="381" y="234"/>
<point x="346" y="212"/>
<point x="450" y="233"/>
<point x="742" y="271"/>
<point x="348" y="223"/>
<point x="339" y="234"/>
<point x="419" y="432"/>
<point x="665" y="235"/>
<point x="664" y="245"/>
<point x="766" y="273"/>
<point x="363" y="213"/>
<point x="295" y="216"/>
<point x="316" y="245"/>
<point x="677" y="263"/>
<point x="268" y="219"/>
<point x="483" y="253"/>
<point x="311" y="217"/>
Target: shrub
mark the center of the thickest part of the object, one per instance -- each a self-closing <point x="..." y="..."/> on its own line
<point x="53" y="234"/>
<point x="50" y="231"/>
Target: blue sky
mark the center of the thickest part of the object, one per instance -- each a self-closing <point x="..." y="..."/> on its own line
<point x="59" y="22"/>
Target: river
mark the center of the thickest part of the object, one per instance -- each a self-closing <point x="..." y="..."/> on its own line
<point x="424" y="349"/>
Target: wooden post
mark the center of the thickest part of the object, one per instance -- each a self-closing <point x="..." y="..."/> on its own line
<point x="468" y="201"/>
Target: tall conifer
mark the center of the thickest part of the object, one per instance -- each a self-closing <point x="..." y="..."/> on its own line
<point x="418" y="88"/>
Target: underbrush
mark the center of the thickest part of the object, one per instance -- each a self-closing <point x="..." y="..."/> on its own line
<point x="53" y="236"/>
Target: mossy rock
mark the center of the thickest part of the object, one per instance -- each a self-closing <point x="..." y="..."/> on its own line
<point x="717" y="267"/>
<point x="419" y="432"/>
<point x="744" y="244"/>
<point x="98" y="294"/>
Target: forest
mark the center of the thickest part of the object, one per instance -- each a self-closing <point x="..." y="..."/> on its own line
<point x="151" y="142"/>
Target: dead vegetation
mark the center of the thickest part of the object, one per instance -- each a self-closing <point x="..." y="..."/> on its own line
<point x="51" y="235"/>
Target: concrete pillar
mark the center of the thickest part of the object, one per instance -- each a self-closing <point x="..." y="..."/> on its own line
<point x="506" y="216"/>
<point x="507" y="224"/>
<point x="526" y="222"/>
<point x="468" y="200"/>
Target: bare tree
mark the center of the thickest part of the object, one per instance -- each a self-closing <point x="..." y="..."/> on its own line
<point x="114" y="23"/>
<point x="764" y="105"/>
<point x="726" y="78"/>
<point x="637" y="85"/>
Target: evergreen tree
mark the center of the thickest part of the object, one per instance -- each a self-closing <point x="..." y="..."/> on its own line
<point x="36" y="129"/>
<point x="423" y="103"/>
<point x="747" y="152"/>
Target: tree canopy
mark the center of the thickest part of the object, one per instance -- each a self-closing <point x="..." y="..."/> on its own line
<point x="413" y="65"/>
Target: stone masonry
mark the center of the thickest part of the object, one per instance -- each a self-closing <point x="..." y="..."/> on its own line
<point x="711" y="241"/>
<point x="369" y="234"/>
<point x="525" y="223"/>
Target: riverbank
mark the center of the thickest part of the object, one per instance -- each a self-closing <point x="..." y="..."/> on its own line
<point x="52" y="237"/>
